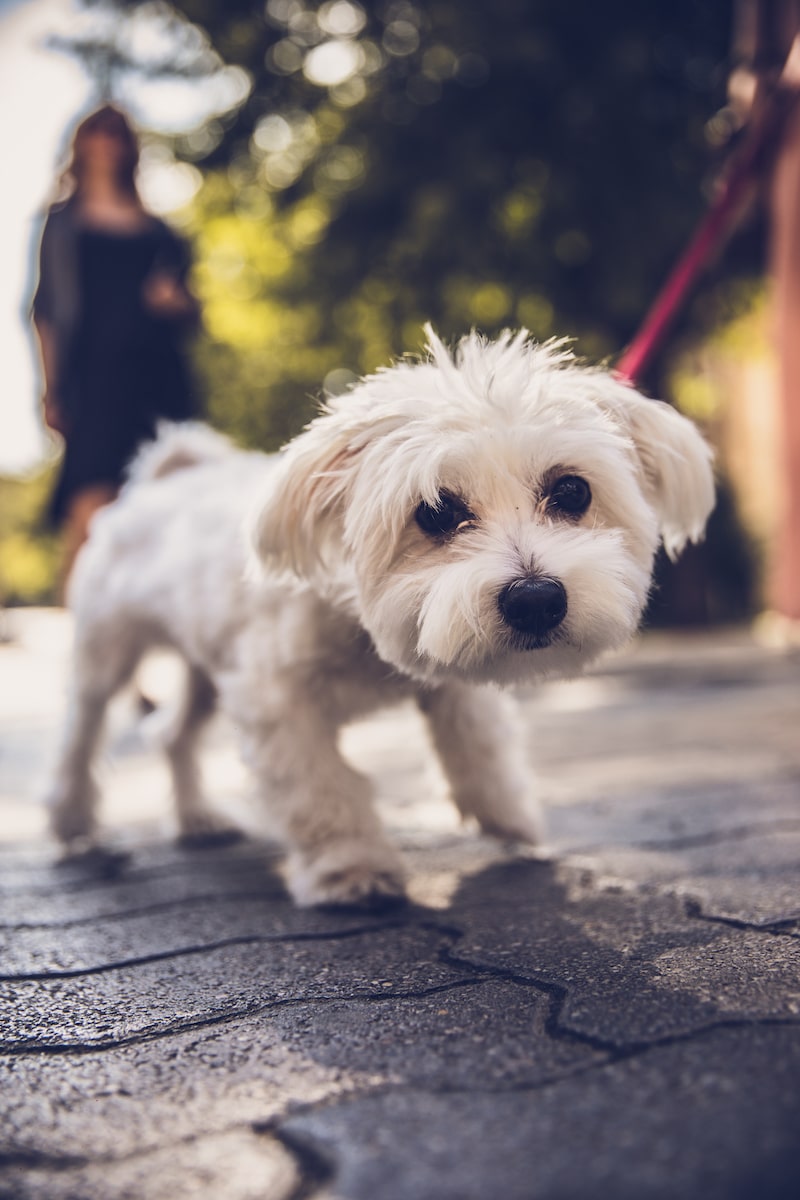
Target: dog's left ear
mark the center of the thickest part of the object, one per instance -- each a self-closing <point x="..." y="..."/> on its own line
<point x="676" y="463"/>
<point x="301" y="524"/>
<point x="298" y="524"/>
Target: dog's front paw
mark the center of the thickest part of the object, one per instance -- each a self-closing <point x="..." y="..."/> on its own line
<point x="522" y="824"/>
<point x="72" y="812"/>
<point x="347" y="873"/>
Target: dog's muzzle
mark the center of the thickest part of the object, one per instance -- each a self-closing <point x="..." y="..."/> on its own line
<point x="534" y="607"/>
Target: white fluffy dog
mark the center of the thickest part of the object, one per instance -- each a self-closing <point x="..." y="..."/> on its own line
<point x="484" y="517"/>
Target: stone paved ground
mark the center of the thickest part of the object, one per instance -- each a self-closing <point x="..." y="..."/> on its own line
<point x="617" y="1018"/>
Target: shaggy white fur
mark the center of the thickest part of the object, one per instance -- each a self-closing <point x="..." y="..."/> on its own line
<point x="487" y="516"/>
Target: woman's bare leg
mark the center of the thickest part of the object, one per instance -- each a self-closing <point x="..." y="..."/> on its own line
<point x="81" y="509"/>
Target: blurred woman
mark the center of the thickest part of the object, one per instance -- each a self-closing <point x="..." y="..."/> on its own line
<point x="112" y="310"/>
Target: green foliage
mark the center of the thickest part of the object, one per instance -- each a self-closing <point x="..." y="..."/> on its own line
<point x="460" y="162"/>
<point x="262" y="355"/>
<point x="28" y="556"/>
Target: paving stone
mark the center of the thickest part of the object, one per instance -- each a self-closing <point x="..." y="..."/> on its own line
<point x="160" y="931"/>
<point x="596" y="738"/>
<point x="734" y="849"/>
<point x="129" y="1099"/>
<point x="148" y="998"/>
<point x="493" y="1030"/>
<point x="118" y="883"/>
<point x="678" y="819"/>
<point x="160" y="923"/>
<point x="626" y="966"/>
<point x="753" y="879"/>
<point x="134" y="1099"/>
<point x="702" y="1120"/>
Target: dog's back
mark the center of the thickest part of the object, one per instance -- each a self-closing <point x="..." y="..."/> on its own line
<point x="176" y="532"/>
<point x="178" y="446"/>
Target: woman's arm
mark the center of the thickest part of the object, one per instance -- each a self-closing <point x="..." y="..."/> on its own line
<point x="48" y="354"/>
<point x="43" y="310"/>
<point x="167" y="293"/>
<point x="168" y="297"/>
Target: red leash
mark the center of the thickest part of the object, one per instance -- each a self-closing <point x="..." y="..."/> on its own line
<point x="747" y="164"/>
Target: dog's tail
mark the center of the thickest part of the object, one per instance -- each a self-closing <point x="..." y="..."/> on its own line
<point x="176" y="447"/>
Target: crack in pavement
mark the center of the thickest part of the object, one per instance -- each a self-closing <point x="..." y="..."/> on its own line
<point x="599" y="877"/>
<point x="555" y="1028"/>
<point x="785" y="927"/>
<point x="308" y="1150"/>
<point x="601" y="880"/>
<point x="204" y="948"/>
<point x="33" y="1047"/>
<point x="317" y="1169"/>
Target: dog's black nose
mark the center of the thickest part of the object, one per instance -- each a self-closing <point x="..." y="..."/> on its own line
<point x="533" y="605"/>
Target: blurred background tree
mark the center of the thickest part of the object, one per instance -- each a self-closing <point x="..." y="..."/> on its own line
<point x="470" y="164"/>
<point x="28" y="557"/>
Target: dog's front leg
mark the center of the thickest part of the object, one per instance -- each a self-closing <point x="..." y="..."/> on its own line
<point x="477" y="734"/>
<point x="337" y="851"/>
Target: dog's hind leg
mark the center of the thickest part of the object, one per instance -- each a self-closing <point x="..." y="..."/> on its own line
<point x="103" y="660"/>
<point x="477" y="737"/>
<point x="196" y="822"/>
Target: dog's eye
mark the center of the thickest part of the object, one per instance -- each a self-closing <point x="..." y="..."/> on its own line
<point x="571" y="495"/>
<point x="443" y="517"/>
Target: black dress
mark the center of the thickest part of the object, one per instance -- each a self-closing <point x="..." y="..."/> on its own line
<point x="123" y="367"/>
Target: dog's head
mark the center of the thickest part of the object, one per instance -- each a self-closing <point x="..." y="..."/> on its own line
<point x="491" y="514"/>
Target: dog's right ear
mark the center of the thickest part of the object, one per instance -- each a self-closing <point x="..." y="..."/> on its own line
<point x="675" y="461"/>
